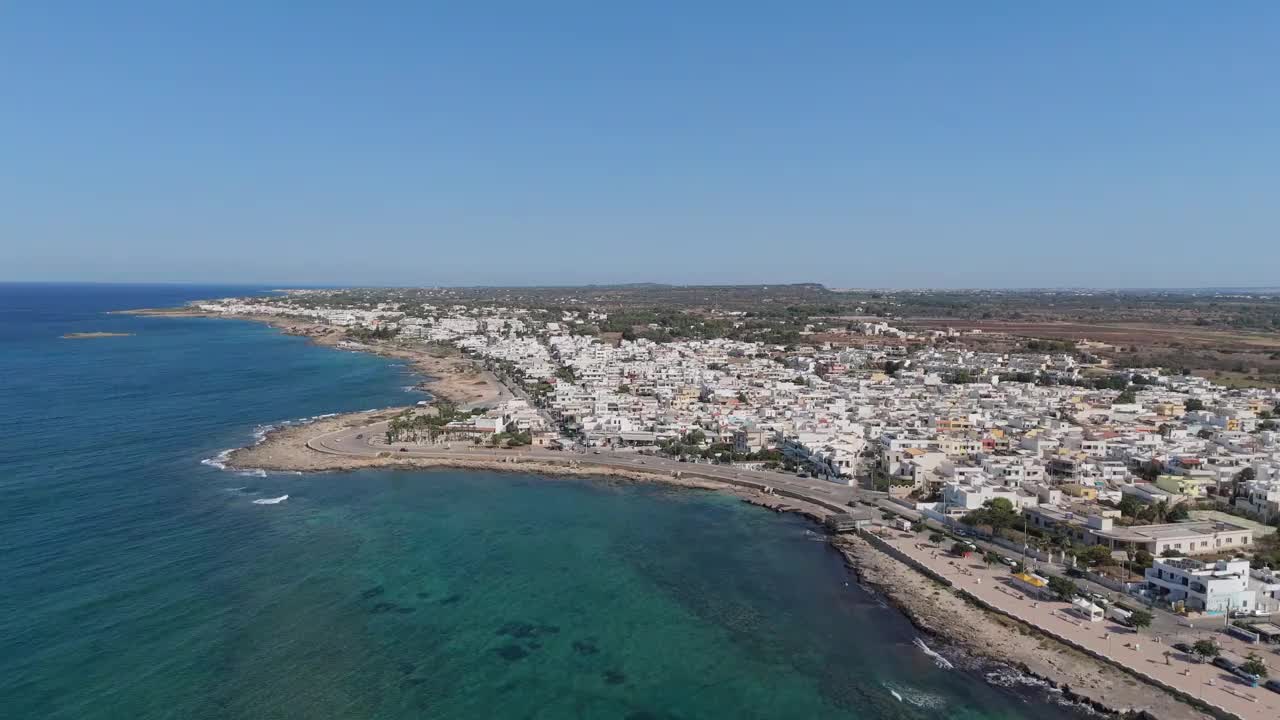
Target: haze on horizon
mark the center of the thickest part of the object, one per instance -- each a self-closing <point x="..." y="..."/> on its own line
<point x="924" y="145"/>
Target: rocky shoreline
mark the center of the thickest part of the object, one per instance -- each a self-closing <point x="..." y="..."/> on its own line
<point x="286" y="449"/>
<point x="931" y="606"/>
<point x="938" y="611"/>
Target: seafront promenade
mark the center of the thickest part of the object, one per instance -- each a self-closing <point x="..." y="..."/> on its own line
<point x="1137" y="651"/>
<point x="361" y="442"/>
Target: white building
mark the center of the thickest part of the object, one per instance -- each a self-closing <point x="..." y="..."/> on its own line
<point x="1217" y="587"/>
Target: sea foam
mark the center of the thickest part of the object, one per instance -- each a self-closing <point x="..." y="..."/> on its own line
<point x="271" y="501"/>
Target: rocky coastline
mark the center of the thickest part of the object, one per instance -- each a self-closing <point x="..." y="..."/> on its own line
<point x="935" y="609"/>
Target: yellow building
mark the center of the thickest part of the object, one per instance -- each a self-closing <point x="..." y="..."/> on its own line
<point x="1182" y="485"/>
<point x="1085" y="492"/>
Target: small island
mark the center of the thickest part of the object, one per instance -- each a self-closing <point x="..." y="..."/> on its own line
<point x="89" y="335"/>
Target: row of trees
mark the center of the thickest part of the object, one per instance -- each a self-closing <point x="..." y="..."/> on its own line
<point x="410" y="426"/>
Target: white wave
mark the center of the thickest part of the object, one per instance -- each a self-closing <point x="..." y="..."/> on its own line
<point x="271" y="501"/>
<point x="220" y="460"/>
<point x="938" y="660"/>
<point x="918" y="698"/>
<point x="253" y="473"/>
<point x="260" y="433"/>
<point x="1008" y="677"/>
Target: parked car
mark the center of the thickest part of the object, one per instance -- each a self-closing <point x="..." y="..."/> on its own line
<point x="1272" y="685"/>
<point x="1224" y="663"/>
<point x="1247" y="676"/>
<point x="1009" y="561"/>
<point x="1182" y="647"/>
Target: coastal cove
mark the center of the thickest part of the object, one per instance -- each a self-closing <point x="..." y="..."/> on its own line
<point x="350" y="442"/>
<point x="146" y="584"/>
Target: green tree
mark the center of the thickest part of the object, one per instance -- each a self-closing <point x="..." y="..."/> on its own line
<point x="1193" y="405"/>
<point x="937" y="537"/>
<point x="1129" y="506"/>
<point x="1241" y="479"/>
<point x="1206" y="649"/>
<point x="991" y="558"/>
<point x="1095" y="554"/>
<point x="1126" y="397"/>
<point x="1254" y="664"/>
<point x="1063" y="588"/>
<point x="959" y="549"/>
<point x="1140" y="619"/>
<point x="998" y="513"/>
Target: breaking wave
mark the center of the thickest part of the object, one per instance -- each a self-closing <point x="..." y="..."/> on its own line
<point x="271" y="501"/>
<point x="938" y="660"/>
<point x="220" y="460"/>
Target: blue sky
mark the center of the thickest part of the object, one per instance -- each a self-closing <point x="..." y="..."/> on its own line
<point x="905" y="144"/>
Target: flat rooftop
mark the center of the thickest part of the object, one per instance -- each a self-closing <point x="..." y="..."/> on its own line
<point x="1259" y="530"/>
<point x="1171" y="531"/>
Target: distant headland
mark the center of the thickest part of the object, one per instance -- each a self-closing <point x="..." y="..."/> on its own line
<point x="91" y="335"/>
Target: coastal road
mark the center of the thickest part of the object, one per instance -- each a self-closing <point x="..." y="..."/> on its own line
<point x="1167" y="626"/>
<point x="366" y="441"/>
<point x="1138" y="651"/>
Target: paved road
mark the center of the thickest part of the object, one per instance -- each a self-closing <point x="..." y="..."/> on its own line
<point x="1165" y="625"/>
<point x="1139" y="651"/>
<point x="368" y="442"/>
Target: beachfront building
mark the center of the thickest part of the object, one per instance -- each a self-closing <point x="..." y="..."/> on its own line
<point x="1214" y="587"/>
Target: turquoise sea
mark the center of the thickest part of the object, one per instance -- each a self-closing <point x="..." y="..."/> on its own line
<point x="138" y="582"/>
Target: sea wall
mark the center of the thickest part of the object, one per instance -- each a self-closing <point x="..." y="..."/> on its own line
<point x="902" y="557"/>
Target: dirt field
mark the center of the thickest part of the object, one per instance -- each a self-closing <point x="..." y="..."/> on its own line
<point x="1112" y="333"/>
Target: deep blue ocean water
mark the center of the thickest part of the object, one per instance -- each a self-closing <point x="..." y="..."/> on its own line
<point x="138" y="582"/>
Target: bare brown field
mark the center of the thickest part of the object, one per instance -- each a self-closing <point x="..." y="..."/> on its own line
<point x="1112" y="333"/>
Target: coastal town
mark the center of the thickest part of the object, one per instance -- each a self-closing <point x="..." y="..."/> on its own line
<point x="1133" y="496"/>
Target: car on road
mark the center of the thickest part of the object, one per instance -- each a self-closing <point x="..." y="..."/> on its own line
<point x="1247" y="676"/>
<point x="404" y="449"/>
<point x="1009" y="561"/>
<point x="1225" y="664"/>
<point x="1182" y="647"/>
<point x="360" y="436"/>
